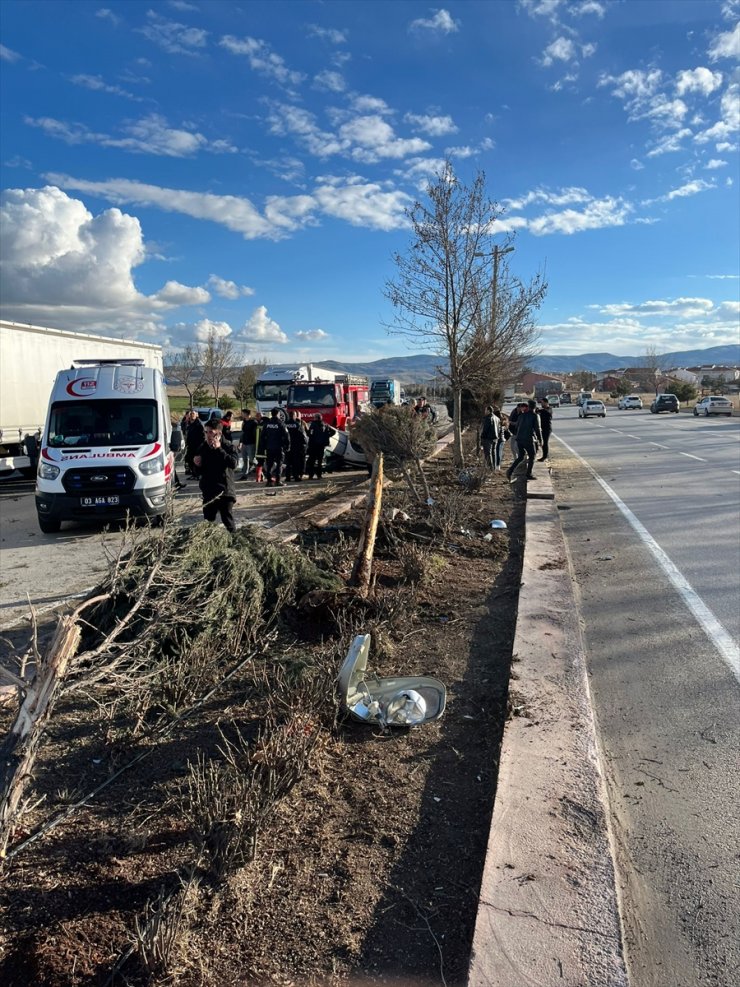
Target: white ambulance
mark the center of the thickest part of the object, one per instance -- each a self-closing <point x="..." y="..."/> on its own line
<point x="105" y="449"/>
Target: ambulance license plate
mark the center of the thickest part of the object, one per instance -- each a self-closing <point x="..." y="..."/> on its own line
<point x="99" y="501"/>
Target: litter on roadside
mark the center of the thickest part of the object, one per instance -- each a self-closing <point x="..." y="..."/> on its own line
<point x="498" y="524"/>
<point x="402" y="701"/>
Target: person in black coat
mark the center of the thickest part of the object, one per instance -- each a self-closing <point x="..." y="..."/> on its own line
<point x="298" y="442"/>
<point x="216" y="460"/>
<point x="318" y="439"/>
<point x="194" y="439"/>
<point x="527" y="435"/>
<point x="275" y="442"/>
<point x="546" y="427"/>
<point x="489" y="432"/>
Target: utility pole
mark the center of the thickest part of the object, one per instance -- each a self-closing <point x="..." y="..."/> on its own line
<point x="498" y="253"/>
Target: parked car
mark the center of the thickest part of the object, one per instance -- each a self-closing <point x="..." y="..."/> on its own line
<point x="713" y="405"/>
<point x="207" y="413"/>
<point x="592" y="409"/>
<point x="630" y="401"/>
<point x="664" y="402"/>
<point x="553" y="400"/>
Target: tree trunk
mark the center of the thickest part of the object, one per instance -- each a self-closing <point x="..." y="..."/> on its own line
<point x="364" y="562"/>
<point x="457" y="446"/>
<point x="21" y="745"/>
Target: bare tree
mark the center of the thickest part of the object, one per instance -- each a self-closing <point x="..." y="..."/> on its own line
<point x="220" y="359"/>
<point x="184" y="367"/>
<point x="442" y="284"/>
<point x="506" y="337"/>
<point x="653" y="363"/>
<point x="245" y="381"/>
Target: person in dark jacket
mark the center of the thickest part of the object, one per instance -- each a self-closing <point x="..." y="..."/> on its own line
<point x="226" y="426"/>
<point x="297" y="452"/>
<point x="527" y="433"/>
<point x="216" y="460"/>
<point x="546" y="427"/>
<point x="489" y="432"/>
<point x="194" y="439"/>
<point x="248" y="441"/>
<point x="318" y="439"/>
<point x="276" y="442"/>
<point x="498" y="449"/>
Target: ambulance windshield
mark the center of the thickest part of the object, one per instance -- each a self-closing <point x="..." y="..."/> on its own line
<point x="102" y="423"/>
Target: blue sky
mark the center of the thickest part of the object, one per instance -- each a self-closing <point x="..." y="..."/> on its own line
<point x="172" y="167"/>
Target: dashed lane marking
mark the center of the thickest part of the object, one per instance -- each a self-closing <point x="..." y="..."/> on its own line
<point x="692" y="457"/>
<point x="659" y="445"/>
<point x="729" y="651"/>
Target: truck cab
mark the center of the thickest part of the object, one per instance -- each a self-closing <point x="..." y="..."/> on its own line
<point x="338" y="401"/>
<point x="105" y="448"/>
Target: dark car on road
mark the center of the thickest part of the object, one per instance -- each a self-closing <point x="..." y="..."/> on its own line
<point x="664" y="402"/>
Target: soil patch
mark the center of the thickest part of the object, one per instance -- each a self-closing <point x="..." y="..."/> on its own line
<point x="368" y="871"/>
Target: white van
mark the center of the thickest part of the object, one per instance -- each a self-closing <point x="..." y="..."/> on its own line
<point x="105" y="449"/>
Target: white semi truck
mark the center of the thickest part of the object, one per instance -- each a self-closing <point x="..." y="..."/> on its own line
<point x="30" y="358"/>
<point x="271" y="389"/>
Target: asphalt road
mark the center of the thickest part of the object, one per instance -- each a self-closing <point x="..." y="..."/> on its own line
<point x="657" y="575"/>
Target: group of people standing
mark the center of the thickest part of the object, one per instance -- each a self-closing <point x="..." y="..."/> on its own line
<point x="272" y="447"/>
<point x="526" y="428"/>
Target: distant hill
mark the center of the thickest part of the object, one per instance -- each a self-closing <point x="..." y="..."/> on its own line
<point x="719" y="355"/>
<point x="422" y="366"/>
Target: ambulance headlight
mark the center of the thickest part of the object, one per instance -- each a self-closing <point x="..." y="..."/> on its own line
<point x="47" y="471"/>
<point x="150" y="466"/>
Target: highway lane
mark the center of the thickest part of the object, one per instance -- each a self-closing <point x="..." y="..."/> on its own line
<point x="664" y="690"/>
<point x="680" y="476"/>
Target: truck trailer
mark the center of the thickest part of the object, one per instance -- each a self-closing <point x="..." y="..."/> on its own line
<point x="30" y="358"/>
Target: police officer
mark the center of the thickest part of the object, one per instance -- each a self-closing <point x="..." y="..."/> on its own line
<point x="318" y="439"/>
<point x="298" y="442"/>
<point x="276" y="442"/>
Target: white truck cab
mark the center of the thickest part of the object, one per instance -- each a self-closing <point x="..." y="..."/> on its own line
<point x="105" y="448"/>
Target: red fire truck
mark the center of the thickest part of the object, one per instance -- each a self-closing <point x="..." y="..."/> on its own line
<point x="337" y="401"/>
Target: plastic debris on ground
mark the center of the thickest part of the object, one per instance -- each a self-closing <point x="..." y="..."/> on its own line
<point x="400" y="701"/>
<point x="498" y="524"/>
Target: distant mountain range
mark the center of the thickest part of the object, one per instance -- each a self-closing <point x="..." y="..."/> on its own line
<point x="422" y="366"/>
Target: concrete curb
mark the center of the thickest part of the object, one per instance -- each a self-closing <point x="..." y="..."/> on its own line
<point x="548" y="911"/>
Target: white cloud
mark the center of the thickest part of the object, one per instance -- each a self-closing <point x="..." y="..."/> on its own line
<point x="97" y="84"/>
<point x="330" y="34"/>
<point x="371" y="104"/>
<point x="589" y="7"/>
<point x="542" y="8"/>
<point x="683" y="308"/>
<point x="360" y="203"/>
<point x="690" y="188"/>
<point x="311" y="334"/>
<point x="670" y="143"/>
<point x="260" y="329"/>
<point x="177" y="39"/>
<point x="205" y="329"/>
<point x="700" y="80"/>
<point x="174" y="295"/>
<point x="149" y="135"/>
<point x="636" y="165"/>
<point x="561" y="50"/>
<point x="730" y="120"/>
<point x="370" y="138"/>
<point x="726" y="45"/>
<point x="715" y="163"/>
<point x="62" y="266"/>
<point x="107" y="15"/>
<point x="565" y="197"/>
<point x="599" y="213"/>
<point x="441" y="21"/>
<point x="182" y="5"/>
<point x="434" y="125"/>
<point x="228" y="289"/>
<point x="262" y="59"/>
<point x="8" y="55"/>
<point x="331" y="81"/>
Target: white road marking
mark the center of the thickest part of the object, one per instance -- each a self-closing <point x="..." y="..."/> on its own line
<point x="659" y="445"/>
<point x="692" y="457"/>
<point x="736" y="471"/>
<point x="632" y="436"/>
<point x="729" y="651"/>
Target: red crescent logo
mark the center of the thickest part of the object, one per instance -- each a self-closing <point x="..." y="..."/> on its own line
<point x="81" y="387"/>
<point x="155" y="449"/>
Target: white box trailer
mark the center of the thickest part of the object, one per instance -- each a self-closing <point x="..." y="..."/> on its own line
<point x="30" y="358"/>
